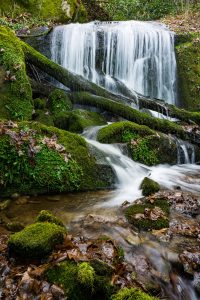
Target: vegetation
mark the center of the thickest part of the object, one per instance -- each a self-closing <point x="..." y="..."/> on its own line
<point x="139" y="215"/>
<point x="188" y="59"/>
<point x="59" y="102"/>
<point x="36" y="240"/>
<point x="145" y="10"/>
<point x="15" y="89"/>
<point x="80" y="282"/>
<point x="130" y="294"/>
<point x="149" y="187"/>
<point x="53" y="10"/>
<point x="46" y="216"/>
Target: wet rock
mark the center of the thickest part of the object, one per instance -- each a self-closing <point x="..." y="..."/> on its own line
<point x="149" y="187"/>
<point x="191" y="260"/>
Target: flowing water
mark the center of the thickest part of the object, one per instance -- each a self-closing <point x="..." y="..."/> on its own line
<point x="138" y="54"/>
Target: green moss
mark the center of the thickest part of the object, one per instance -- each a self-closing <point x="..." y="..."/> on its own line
<point x="149" y="187"/>
<point x="128" y="113"/>
<point x="69" y="275"/>
<point x="44" y="117"/>
<point x="116" y="132"/>
<point x="188" y="61"/>
<point x="15" y="88"/>
<point x="36" y="240"/>
<point x="54" y="10"/>
<point x="44" y="168"/>
<point x="47" y="216"/>
<point x="59" y="102"/>
<point x="146" y="223"/>
<point x="80" y="119"/>
<point x="86" y="275"/>
<point x="130" y="294"/>
<point x="39" y="103"/>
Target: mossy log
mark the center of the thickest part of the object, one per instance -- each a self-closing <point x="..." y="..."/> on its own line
<point x="79" y="83"/>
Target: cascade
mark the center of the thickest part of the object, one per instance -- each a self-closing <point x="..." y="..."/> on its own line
<point x="185" y="152"/>
<point x="129" y="174"/>
<point x="139" y="55"/>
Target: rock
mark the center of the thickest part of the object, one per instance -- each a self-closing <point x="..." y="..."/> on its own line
<point x="15" y="196"/>
<point x="149" y="187"/>
<point x="57" y="292"/>
<point x="14" y="226"/>
<point x="102" y="268"/>
<point x="47" y="216"/>
<point x="36" y="240"/>
<point x="5" y="204"/>
<point x="22" y="200"/>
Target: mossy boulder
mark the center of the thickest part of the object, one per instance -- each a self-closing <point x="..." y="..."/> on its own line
<point x="188" y="62"/>
<point x="35" y="158"/>
<point x="148" y="216"/>
<point x="145" y="145"/>
<point x="149" y="187"/>
<point x="15" y="89"/>
<point x="47" y="216"/>
<point x="80" y="281"/>
<point x="130" y="294"/>
<point x="120" y="132"/>
<point x="59" y="102"/>
<point x="36" y="240"/>
<point x="54" y="10"/>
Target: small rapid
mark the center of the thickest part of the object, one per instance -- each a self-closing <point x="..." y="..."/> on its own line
<point x="129" y="174"/>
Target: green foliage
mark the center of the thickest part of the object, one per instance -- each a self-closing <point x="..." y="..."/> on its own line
<point x="16" y="93"/>
<point x="149" y="187"/>
<point x="144" y="10"/>
<point x="47" y="216"/>
<point x="131" y="294"/>
<point x="67" y="275"/>
<point x="122" y="132"/>
<point x="44" y="117"/>
<point x="36" y="240"/>
<point x="147" y="223"/>
<point x="86" y="275"/>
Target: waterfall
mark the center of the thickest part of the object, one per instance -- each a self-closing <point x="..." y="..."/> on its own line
<point x="185" y="152"/>
<point x="138" y="54"/>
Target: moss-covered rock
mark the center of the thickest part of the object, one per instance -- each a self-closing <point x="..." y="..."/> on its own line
<point x="188" y="61"/>
<point x="149" y="187"/>
<point x="59" y="102"/>
<point x="15" y="89"/>
<point x="120" y="132"/>
<point x="39" y="103"/>
<point x="148" y="216"/>
<point x="36" y="240"/>
<point x="47" y="216"/>
<point x="43" y="116"/>
<point x="146" y="145"/>
<point x="70" y="276"/>
<point x="35" y="158"/>
<point x="54" y="10"/>
<point x="130" y="294"/>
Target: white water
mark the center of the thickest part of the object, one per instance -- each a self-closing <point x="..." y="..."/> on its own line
<point x="129" y="174"/>
<point x="139" y="54"/>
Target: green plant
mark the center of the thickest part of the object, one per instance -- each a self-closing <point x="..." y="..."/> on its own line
<point x="131" y="294"/>
<point x="141" y="151"/>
